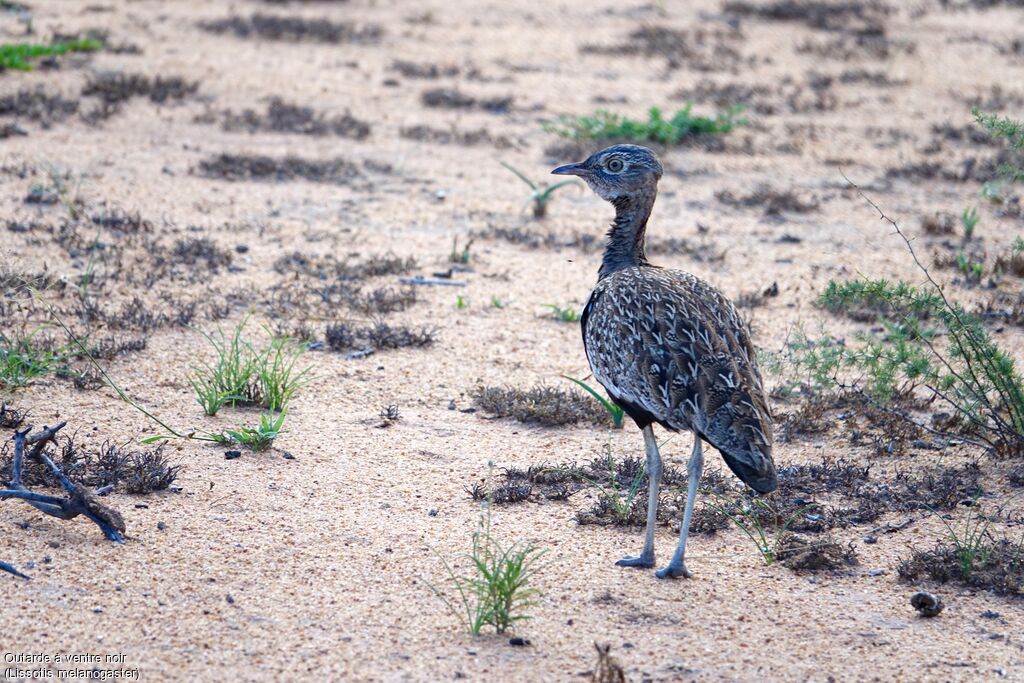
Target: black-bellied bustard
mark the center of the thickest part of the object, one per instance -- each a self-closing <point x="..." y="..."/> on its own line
<point x="669" y="348"/>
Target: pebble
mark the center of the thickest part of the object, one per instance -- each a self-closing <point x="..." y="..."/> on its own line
<point x="231" y="455"/>
<point x="518" y="642"/>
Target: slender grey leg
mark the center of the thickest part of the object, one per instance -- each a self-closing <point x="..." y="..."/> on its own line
<point x="677" y="567"/>
<point x="646" y="558"/>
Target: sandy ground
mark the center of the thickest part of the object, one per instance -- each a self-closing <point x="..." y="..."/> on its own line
<point x="266" y="568"/>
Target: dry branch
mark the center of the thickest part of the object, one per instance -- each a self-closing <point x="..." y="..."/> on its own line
<point x="80" y="501"/>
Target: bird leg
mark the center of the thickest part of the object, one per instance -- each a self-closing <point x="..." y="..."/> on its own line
<point x="646" y="558"/>
<point x="676" y="567"/>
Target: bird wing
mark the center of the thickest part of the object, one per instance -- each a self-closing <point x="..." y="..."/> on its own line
<point x="671" y="344"/>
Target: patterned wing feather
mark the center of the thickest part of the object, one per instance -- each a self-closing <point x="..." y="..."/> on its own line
<point x="672" y="349"/>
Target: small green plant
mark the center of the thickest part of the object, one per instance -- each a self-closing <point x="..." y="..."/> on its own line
<point x="258" y="438"/>
<point x="498" y="591"/>
<point x="605" y="125"/>
<point x="615" y="411"/>
<point x="460" y="255"/>
<point x="241" y="375"/>
<point x="540" y="195"/>
<point x="1009" y="129"/>
<point x="498" y="302"/>
<point x="969" y="219"/>
<point x="23" y="359"/>
<point x="229" y="380"/>
<point x="620" y="504"/>
<point x="20" y="55"/>
<point x="276" y="374"/>
<point x="745" y="515"/>
<point x="565" y="314"/>
<point x="461" y="302"/>
<point x="69" y="198"/>
<point x="972" y="543"/>
<point x="974" y="271"/>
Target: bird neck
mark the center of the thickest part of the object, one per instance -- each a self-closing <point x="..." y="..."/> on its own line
<point x="625" y="246"/>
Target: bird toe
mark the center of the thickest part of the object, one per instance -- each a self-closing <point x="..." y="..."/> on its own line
<point x="674" y="572"/>
<point x="639" y="561"/>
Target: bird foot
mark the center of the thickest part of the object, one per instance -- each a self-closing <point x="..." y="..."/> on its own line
<point x="641" y="561"/>
<point x="674" y="571"/>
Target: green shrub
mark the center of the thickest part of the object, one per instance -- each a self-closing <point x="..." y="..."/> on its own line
<point x="605" y="125"/>
<point x="19" y="55"/>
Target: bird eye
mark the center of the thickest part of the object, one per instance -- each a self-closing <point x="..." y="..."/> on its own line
<point x="614" y="165"/>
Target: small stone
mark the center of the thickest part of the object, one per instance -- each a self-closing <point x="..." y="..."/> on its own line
<point x="161" y="526"/>
<point x="927" y="604"/>
<point x="871" y="540"/>
<point x="432" y="512"/>
<point x="876" y="572"/>
<point x="518" y="642"/>
<point x="97" y="610"/>
<point x="231" y="455"/>
<point x="230" y="598"/>
<point x="53" y="544"/>
<point x="990" y="614"/>
<point x="241" y="248"/>
<point x="287" y="455"/>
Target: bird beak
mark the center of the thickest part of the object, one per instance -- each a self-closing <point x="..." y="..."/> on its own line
<point x="570" y="169"/>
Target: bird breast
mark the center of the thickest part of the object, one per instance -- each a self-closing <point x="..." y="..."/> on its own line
<point x="668" y="342"/>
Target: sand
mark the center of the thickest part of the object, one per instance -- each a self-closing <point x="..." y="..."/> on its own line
<point x="317" y="567"/>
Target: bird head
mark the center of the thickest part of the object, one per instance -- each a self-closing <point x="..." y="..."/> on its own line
<point x="617" y="171"/>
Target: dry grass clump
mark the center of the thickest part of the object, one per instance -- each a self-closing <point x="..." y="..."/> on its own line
<point x="542" y="404"/>
<point x="997" y="566"/>
<point x="800" y="553"/>
<point x="378" y="336"/>
<point x="127" y="470"/>
<point x="242" y="167"/>
<point x="295" y="29"/>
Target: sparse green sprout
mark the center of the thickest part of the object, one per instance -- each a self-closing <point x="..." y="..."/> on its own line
<point x="565" y="314"/>
<point x="276" y="374"/>
<point x="605" y="125"/>
<point x="460" y="255"/>
<point x="498" y="590"/>
<point x="615" y="411"/>
<point x="23" y="359"/>
<point x="242" y="375"/>
<point x="498" y="303"/>
<point x="973" y="270"/>
<point x="619" y="504"/>
<point x="229" y="379"/>
<point x="969" y="219"/>
<point x="20" y="55"/>
<point x="973" y="544"/>
<point x="259" y="438"/>
<point x="744" y="515"/>
<point x="1009" y="129"/>
<point x="461" y="302"/>
<point x="69" y="198"/>
<point x="540" y="194"/>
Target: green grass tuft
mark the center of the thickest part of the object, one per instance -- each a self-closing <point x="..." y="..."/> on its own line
<point x="497" y="591"/>
<point x="606" y="125"/>
<point x="20" y="55"/>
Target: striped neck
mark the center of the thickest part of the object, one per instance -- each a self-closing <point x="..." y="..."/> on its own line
<point x="625" y="246"/>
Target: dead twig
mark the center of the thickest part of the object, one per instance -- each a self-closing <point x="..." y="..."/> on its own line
<point x="80" y="501"/>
